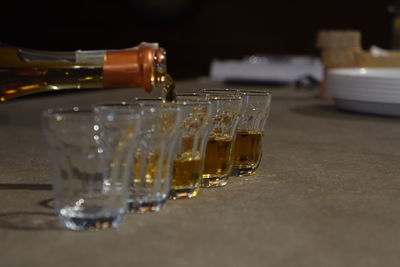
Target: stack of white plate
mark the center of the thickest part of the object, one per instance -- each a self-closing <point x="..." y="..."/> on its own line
<point x="367" y="90"/>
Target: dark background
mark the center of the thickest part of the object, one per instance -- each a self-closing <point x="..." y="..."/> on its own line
<point x="192" y="31"/>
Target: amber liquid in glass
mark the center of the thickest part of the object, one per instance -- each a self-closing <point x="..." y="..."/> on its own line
<point x="247" y="149"/>
<point x="186" y="173"/>
<point x="218" y="157"/>
<point x="146" y="169"/>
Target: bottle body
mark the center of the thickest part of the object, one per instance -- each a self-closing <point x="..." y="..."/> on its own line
<point x="24" y="72"/>
<point x="16" y="82"/>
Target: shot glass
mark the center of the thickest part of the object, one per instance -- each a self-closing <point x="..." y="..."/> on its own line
<point x="152" y="171"/>
<point x="189" y="152"/>
<point x="218" y="157"/>
<point x="248" y="147"/>
<point x="90" y="160"/>
<point x="188" y="164"/>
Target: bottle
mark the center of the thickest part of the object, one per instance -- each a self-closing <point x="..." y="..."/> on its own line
<point x="27" y="71"/>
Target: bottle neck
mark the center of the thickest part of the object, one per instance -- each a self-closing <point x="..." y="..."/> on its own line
<point x="141" y="66"/>
<point x="138" y="67"/>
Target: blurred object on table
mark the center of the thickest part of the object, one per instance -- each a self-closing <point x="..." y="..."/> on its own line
<point x="343" y="49"/>
<point x="268" y="70"/>
<point x="339" y="48"/>
<point x="378" y="57"/>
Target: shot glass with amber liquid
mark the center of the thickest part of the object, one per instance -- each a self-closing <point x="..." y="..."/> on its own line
<point x="248" y="146"/>
<point x="194" y="126"/>
<point x="218" y="152"/>
<point x="188" y="166"/>
<point x="152" y="168"/>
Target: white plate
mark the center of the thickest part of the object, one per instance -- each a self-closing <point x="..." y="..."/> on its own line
<point x="380" y="85"/>
<point x="387" y="109"/>
<point x="370" y="82"/>
<point x="367" y="73"/>
<point x="373" y="83"/>
<point x="364" y="97"/>
<point x="364" y="93"/>
<point x="365" y="88"/>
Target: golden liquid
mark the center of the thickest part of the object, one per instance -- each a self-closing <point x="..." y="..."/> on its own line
<point x="247" y="148"/>
<point x="186" y="172"/>
<point x="146" y="169"/>
<point x="218" y="156"/>
<point x="16" y="82"/>
<point x="169" y="89"/>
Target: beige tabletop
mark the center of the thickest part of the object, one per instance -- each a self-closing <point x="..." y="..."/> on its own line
<point x="327" y="193"/>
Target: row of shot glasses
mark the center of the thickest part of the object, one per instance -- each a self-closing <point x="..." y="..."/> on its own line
<point x="132" y="157"/>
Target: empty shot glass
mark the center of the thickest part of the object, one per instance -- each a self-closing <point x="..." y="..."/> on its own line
<point x="90" y="160"/>
<point x="152" y="171"/>
<point x="218" y="157"/>
<point x="247" y="152"/>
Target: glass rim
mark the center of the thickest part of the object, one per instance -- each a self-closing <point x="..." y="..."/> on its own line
<point x="155" y="106"/>
<point x="84" y="114"/>
<point x="185" y="102"/>
<point x="123" y="106"/>
<point x="111" y="104"/>
<point x="238" y="90"/>
<point x="75" y="112"/>
<point x="147" y="98"/>
<point x="213" y="97"/>
<point x="225" y="97"/>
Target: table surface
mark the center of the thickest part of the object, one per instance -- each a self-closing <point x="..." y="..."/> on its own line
<point x="327" y="193"/>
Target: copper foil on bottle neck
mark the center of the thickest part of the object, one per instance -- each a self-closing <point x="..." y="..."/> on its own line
<point x="130" y="68"/>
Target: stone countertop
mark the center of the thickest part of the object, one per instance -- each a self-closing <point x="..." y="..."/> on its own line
<point x="327" y="193"/>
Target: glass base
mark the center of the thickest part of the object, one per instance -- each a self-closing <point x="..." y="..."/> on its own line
<point x="100" y="223"/>
<point x="145" y="207"/>
<point x="183" y="193"/>
<point x="214" y="181"/>
<point x="243" y="171"/>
